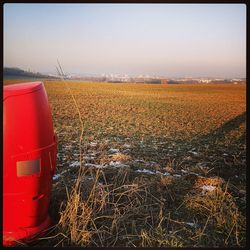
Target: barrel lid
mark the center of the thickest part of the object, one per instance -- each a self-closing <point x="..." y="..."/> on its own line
<point x="21" y="88"/>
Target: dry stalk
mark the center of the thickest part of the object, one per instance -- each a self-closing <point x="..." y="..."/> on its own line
<point x="61" y="74"/>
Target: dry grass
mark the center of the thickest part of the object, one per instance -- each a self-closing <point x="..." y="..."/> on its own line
<point x="220" y="211"/>
<point x="120" y="157"/>
<point x="100" y="215"/>
<point x="129" y="210"/>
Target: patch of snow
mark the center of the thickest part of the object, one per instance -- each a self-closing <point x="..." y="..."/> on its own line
<point x="90" y="178"/>
<point x="193" y="152"/>
<point x="161" y="143"/>
<point x="94" y="165"/>
<point x="56" y="177"/>
<point x="127" y="145"/>
<point x="88" y="158"/>
<point x="140" y="161"/>
<point x="126" y="150"/>
<point x="64" y="171"/>
<point x="225" y="154"/>
<point x="59" y="175"/>
<point x="113" y="150"/>
<point x="117" y="164"/>
<point x="75" y="164"/>
<point x="194" y="173"/>
<point x="114" y="163"/>
<point x="146" y="171"/>
<point x="177" y="175"/>
<point x="243" y="192"/>
<point x="184" y="171"/>
<point x="191" y="224"/>
<point x="165" y="174"/>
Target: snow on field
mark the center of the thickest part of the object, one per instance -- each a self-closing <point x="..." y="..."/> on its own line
<point x="117" y="164"/>
<point x="89" y="158"/>
<point x="177" y="175"/>
<point x="90" y="162"/>
<point x="113" y="150"/>
<point x="93" y="144"/>
<point x="94" y="165"/>
<point x="59" y="175"/>
<point x="127" y="145"/>
<point x="165" y="174"/>
<point x="191" y="224"/>
<point x="194" y="173"/>
<point x="56" y="177"/>
<point x="75" y="164"/>
<point x="193" y="152"/>
<point x="146" y="171"/>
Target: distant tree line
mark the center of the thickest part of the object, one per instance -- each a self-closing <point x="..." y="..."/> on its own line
<point x="20" y="72"/>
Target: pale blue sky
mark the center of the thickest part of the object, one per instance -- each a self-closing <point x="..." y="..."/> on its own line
<point x="155" y="39"/>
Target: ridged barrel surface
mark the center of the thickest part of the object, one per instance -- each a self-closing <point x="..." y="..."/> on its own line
<point x="29" y="160"/>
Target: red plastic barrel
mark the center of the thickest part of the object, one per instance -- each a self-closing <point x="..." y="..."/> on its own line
<point x="29" y="157"/>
